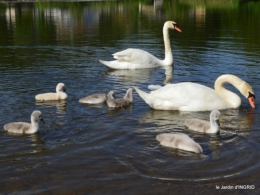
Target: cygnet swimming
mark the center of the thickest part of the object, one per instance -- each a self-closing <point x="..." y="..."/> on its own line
<point x="179" y="141"/>
<point x="120" y="102"/>
<point x="24" y="127"/>
<point x="59" y="95"/>
<point x="204" y="126"/>
<point x="94" y="99"/>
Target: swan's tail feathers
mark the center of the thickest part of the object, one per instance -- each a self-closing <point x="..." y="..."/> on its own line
<point x="107" y="63"/>
<point x="159" y="137"/>
<point x="145" y="96"/>
<point x="154" y="87"/>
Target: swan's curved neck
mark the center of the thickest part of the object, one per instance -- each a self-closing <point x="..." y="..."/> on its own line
<point x="168" y="51"/>
<point x="129" y="95"/>
<point x="58" y="90"/>
<point x="34" y="125"/>
<point x="214" y="128"/>
<point x="231" y="98"/>
<point x="110" y="96"/>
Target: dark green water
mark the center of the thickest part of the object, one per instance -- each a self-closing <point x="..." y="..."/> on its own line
<point x="95" y="150"/>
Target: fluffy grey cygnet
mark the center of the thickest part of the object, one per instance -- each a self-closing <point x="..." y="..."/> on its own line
<point x="94" y="99"/>
<point x="120" y="102"/>
<point x="24" y="127"/>
<point x="59" y="95"/>
<point x="179" y="141"/>
<point x="204" y="126"/>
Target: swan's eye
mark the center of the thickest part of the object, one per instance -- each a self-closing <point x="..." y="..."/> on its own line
<point x="251" y="95"/>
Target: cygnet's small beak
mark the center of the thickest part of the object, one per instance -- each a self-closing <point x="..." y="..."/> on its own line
<point x="218" y="123"/>
<point x="64" y="90"/>
<point x="251" y="101"/>
<point x="41" y="119"/>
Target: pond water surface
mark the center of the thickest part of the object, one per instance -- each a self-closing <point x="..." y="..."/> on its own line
<point x="86" y="149"/>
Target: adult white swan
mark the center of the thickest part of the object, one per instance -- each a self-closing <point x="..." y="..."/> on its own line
<point x="189" y="96"/>
<point x="138" y="59"/>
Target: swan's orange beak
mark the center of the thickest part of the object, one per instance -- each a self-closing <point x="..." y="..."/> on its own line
<point x="177" y="28"/>
<point x="251" y="101"/>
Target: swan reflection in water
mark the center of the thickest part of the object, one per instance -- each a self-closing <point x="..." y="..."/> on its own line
<point x="140" y="76"/>
<point x="168" y="74"/>
<point x="235" y="120"/>
<point x="61" y="105"/>
<point x="130" y="76"/>
<point x="37" y="143"/>
<point x="31" y="143"/>
<point x="231" y="119"/>
<point x="119" y="111"/>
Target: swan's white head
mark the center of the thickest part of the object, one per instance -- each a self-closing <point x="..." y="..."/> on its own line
<point x="37" y="116"/>
<point x="248" y="92"/>
<point x="60" y="87"/>
<point x="172" y="25"/>
<point x="215" y="116"/>
<point x="244" y="88"/>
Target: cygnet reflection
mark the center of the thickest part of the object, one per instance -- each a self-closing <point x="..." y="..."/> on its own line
<point x="61" y="105"/>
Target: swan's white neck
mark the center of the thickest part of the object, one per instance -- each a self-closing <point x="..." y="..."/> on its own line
<point x="58" y="89"/>
<point x="110" y="96"/>
<point x="129" y="95"/>
<point x="232" y="99"/>
<point x="61" y="95"/>
<point x="168" y="51"/>
<point x="34" y="125"/>
<point x="214" y="128"/>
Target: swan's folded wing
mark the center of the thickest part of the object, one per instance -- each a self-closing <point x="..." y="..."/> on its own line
<point x="190" y="95"/>
<point x="197" y="125"/>
<point x="17" y="127"/>
<point x="184" y="91"/>
<point x="134" y="56"/>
